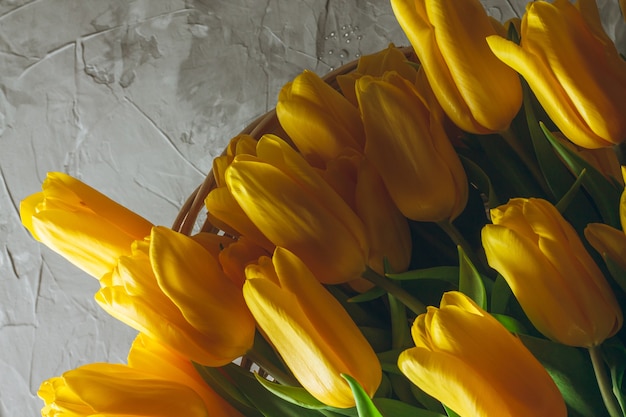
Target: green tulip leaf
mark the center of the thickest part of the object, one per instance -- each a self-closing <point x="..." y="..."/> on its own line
<point x="295" y="395"/>
<point x="604" y="193"/>
<point x="395" y="408"/>
<point x="616" y="271"/>
<point x="513" y="325"/>
<point x="369" y="295"/>
<point x="500" y="295"/>
<point x="571" y="194"/>
<point x="444" y="273"/>
<point x="477" y="176"/>
<point x="389" y="360"/>
<point x="223" y="386"/>
<point x="571" y="370"/>
<point x="470" y="281"/>
<point x="257" y="394"/>
<point x="450" y="412"/>
<point x="364" y="405"/>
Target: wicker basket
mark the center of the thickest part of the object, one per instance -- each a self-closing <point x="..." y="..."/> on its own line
<point x="265" y="123"/>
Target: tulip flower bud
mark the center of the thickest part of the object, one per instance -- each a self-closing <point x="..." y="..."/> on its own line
<point x="318" y="119"/>
<point x="376" y="65"/>
<point x="173" y="290"/>
<point x="479" y="93"/>
<point x="150" y="356"/>
<point x="467" y="360"/>
<point x="608" y="240"/>
<point x="557" y="283"/>
<point x="410" y="150"/>
<point x="295" y="208"/>
<point x="156" y="382"/>
<point x="81" y="224"/>
<point x="310" y="330"/>
<point x="573" y="68"/>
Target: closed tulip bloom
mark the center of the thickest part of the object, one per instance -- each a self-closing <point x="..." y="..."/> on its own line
<point x="377" y="64"/>
<point x="81" y="224"/>
<point x="157" y="382"/>
<point x="411" y="150"/>
<point x="174" y="291"/>
<point x="150" y="356"/>
<point x="557" y="283"/>
<point x="318" y="119"/>
<point x="478" y="92"/>
<point x="573" y="68"/>
<point x="608" y="240"/>
<point x="295" y="208"/>
<point x="106" y="389"/>
<point x="310" y="329"/>
<point x="467" y="360"/>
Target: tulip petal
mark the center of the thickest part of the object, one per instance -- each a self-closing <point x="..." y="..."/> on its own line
<point x="88" y="241"/>
<point x="194" y="281"/>
<point x="292" y="217"/>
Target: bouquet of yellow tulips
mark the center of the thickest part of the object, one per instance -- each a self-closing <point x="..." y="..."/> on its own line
<point x="440" y="231"/>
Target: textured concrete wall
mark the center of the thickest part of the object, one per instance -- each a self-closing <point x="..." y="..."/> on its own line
<point x="136" y="98"/>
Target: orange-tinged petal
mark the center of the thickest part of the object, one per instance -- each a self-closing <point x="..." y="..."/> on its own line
<point x="559" y="286"/>
<point x="608" y="240"/>
<point x="319" y="120"/>
<point x="292" y="218"/>
<point x="403" y="147"/>
<point x="150" y="356"/>
<point x="113" y="389"/>
<point x="476" y="91"/>
<point x="226" y="213"/>
<point x="466" y="359"/>
<point x="308" y="327"/>
<point x="195" y="283"/>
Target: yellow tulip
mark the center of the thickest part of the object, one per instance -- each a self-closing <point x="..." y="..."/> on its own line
<point x="81" y="224"/>
<point x="295" y="208"/>
<point x="573" y="68"/>
<point x="235" y="257"/>
<point x="318" y="119"/>
<point x="150" y="356"/>
<point x="156" y="382"/>
<point x="557" y="283"/>
<point x="478" y="92"/>
<point x="389" y="59"/>
<point x="608" y="240"/>
<point x="174" y="291"/>
<point x="114" y="389"/>
<point x="467" y="360"/>
<point x="310" y="329"/>
<point x="411" y="150"/>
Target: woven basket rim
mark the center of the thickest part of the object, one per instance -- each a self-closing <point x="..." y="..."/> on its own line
<point x="190" y="210"/>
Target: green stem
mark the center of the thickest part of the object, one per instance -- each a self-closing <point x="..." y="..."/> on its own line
<point x="530" y="162"/>
<point x="402" y="295"/>
<point x="604" y="384"/>
<point x="460" y="240"/>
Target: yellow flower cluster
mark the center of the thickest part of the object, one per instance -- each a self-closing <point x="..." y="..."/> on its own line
<point x="329" y="227"/>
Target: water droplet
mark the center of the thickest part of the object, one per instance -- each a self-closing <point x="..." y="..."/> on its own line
<point x="332" y="34"/>
<point x="331" y="68"/>
<point x="343" y="27"/>
<point x="359" y="37"/>
<point x="357" y="55"/>
<point x="325" y="38"/>
<point x="344" y="53"/>
<point x="345" y="35"/>
<point x="331" y="52"/>
<point x="347" y="40"/>
<point x="356" y="28"/>
<point x="319" y="58"/>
